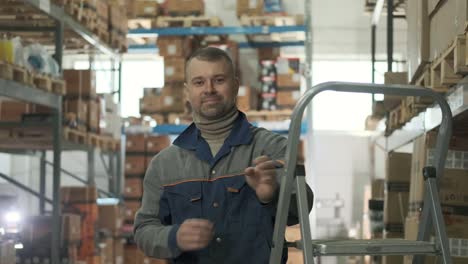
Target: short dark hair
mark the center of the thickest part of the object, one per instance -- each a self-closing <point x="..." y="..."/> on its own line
<point x="211" y="54"/>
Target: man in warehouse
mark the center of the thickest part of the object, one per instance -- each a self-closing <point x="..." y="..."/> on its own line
<point x="211" y="196"/>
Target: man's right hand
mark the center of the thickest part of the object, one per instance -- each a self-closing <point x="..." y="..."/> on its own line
<point x="194" y="234"/>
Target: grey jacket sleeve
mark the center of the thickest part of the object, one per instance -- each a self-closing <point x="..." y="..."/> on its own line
<point x="275" y="147"/>
<point x="151" y="236"/>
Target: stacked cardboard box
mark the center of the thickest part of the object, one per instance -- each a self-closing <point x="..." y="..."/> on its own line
<point x="169" y="99"/>
<point x="185" y="7"/>
<point x="81" y="101"/>
<point x="142" y="9"/>
<point x="110" y="224"/>
<point x="82" y="201"/>
<point x="452" y="191"/>
<point x="398" y="169"/>
<point x="118" y="26"/>
<point x="249" y="7"/>
<point x="140" y="149"/>
<point x="288" y="81"/>
<point x="110" y="120"/>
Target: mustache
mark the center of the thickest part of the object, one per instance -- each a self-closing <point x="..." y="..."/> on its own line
<point x="211" y="97"/>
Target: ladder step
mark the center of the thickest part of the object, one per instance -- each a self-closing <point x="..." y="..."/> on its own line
<point x="360" y="247"/>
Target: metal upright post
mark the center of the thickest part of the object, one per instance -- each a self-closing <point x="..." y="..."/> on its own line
<point x="120" y="81"/>
<point x="389" y="35"/>
<point x="91" y="168"/>
<point x="57" y="148"/>
<point x="56" y="223"/>
<point x="373" y="36"/>
<point x="112" y="176"/>
<point x="42" y="181"/>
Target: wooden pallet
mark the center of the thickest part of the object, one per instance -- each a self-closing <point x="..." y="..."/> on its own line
<point x="272" y="20"/>
<point x="265" y="115"/>
<point x="394" y="120"/>
<point x="6" y="71"/>
<point x="22" y="75"/>
<point x="448" y="69"/>
<point x="42" y="82"/>
<point x="190" y="21"/>
<point x="103" y="142"/>
<point x="74" y="135"/>
<point x="424" y="79"/>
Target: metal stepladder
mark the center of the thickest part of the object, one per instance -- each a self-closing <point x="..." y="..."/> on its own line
<point x="431" y="214"/>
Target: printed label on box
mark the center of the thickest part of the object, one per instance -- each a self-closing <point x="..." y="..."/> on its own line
<point x="242" y="91"/>
<point x="296" y="77"/>
<point x="172" y="49"/>
<point x="252" y="4"/>
<point x="170" y="71"/>
<point x="168" y="100"/>
<point x="296" y="95"/>
<point x="282" y="66"/>
<point x="149" y="10"/>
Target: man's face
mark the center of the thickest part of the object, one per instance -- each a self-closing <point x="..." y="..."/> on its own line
<point x="212" y="87"/>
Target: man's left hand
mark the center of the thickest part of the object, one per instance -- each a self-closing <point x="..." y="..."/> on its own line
<point x="262" y="178"/>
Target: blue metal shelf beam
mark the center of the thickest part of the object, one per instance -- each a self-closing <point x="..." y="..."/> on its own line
<point x="182" y="31"/>
<point x="243" y="45"/>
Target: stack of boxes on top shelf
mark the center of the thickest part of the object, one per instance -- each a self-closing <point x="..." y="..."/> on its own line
<point x="169" y="103"/>
<point x="140" y="149"/>
<point x="436" y="53"/>
<point x="452" y="192"/>
<point x="106" y="19"/>
<point x="81" y="105"/>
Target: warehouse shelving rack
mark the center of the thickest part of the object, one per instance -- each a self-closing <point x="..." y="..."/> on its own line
<point x="17" y="91"/>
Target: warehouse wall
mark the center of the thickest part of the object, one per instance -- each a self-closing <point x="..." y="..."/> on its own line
<point x="338" y="168"/>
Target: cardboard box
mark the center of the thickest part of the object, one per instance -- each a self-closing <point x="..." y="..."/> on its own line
<point x="174" y="69"/>
<point x="247" y="98"/>
<point x="12" y="111"/>
<point x="398" y="167"/>
<point x="249" y="7"/>
<point x="268" y="53"/>
<point x="131" y="207"/>
<point x="155" y="144"/>
<point x="392" y="259"/>
<point x="392" y="101"/>
<point x="288" y="70"/>
<point x="378" y="189"/>
<point x="135" y="164"/>
<point x="171" y="99"/>
<point x="417" y="36"/>
<point x="135" y="143"/>
<point x="119" y="251"/>
<point x="79" y="108"/>
<point x="445" y="24"/>
<point x="81" y="83"/>
<point x="287" y="98"/>
<point x="106" y="247"/>
<point x="110" y="218"/>
<point x="144" y="9"/>
<point x="133" y="187"/>
<point x="395" y="208"/>
<point x="174" y="46"/>
<point x="78" y="194"/>
<point x="93" y="115"/>
<point x="185" y="7"/>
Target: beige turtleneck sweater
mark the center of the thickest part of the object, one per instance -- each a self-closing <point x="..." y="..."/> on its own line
<point x="216" y="131"/>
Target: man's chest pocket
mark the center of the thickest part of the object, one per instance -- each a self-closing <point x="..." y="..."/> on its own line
<point x="244" y="210"/>
<point x="185" y="201"/>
